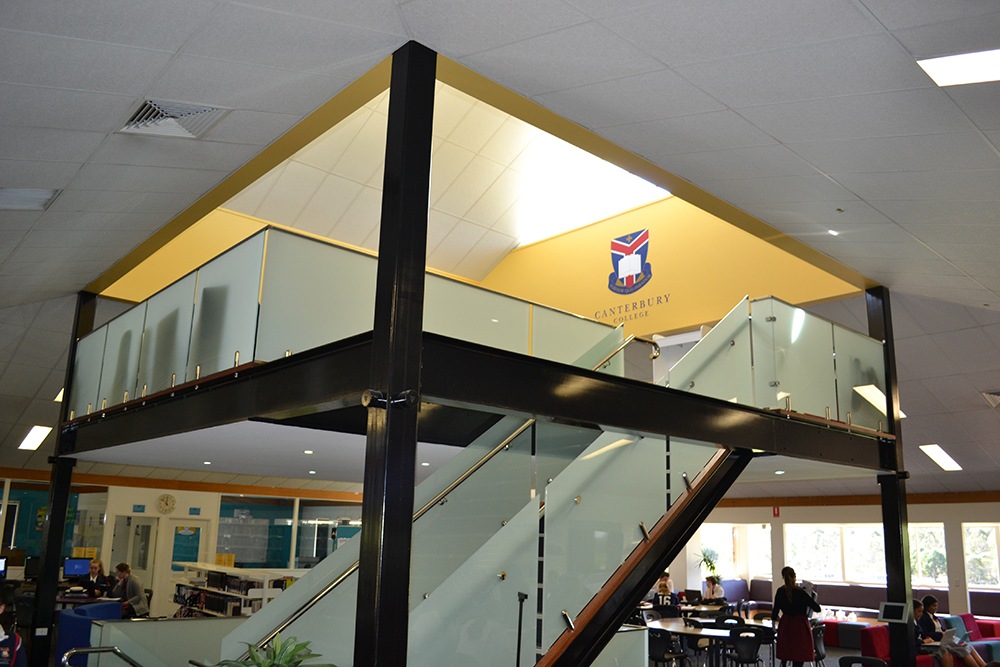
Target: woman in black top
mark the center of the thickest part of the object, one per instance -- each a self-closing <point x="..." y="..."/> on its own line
<point x="795" y="640"/>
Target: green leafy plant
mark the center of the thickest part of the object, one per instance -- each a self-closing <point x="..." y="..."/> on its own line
<point x="277" y="653"/>
<point x="708" y="559"/>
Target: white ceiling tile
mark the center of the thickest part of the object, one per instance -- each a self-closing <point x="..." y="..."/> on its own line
<point x="965" y="252"/>
<point x="575" y="56"/>
<point x="778" y="189"/>
<point x="469" y="186"/>
<point x="334" y="196"/>
<point x="691" y="32"/>
<point x="719" y="130"/>
<point x="455" y="246"/>
<point x="955" y="233"/>
<point x="245" y="86"/>
<point x="983" y="184"/>
<point x="477" y="127"/>
<point x="738" y="163"/>
<point x="250" y="198"/>
<point x="21" y="380"/>
<point x="144" y="23"/>
<point x="979" y="101"/>
<point x="447" y="164"/>
<point x="366" y="152"/>
<point x="485" y="255"/>
<point x="248" y="34"/>
<point x="926" y="111"/>
<point x="497" y="200"/>
<point x="962" y="150"/>
<point x="360" y="219"/>
<point x="946" y="211"/>
<point x="450" y="107"/>
<point x="24" y="174"/>
<point x="905" y="13"/>
<point x="61" y="62"/>
<point x="103" y="201"/>
<point x="379" y="15"/>
<point x="163" y="202"/>
<point x="827" y="69"/>
<point x="294" y="188"/>
<point x="329" y="148"/>
<point x="963" y="35"/>
<point x="439" y="225"/>
<point x="650" y="96"/>
<point x="144" y="179"/>
<point x="257" y="128"/>
<point x="508" y="141"/>
<point x="132" y="149"/>
<point x="18" y="220"/>
<point x="823" y="214"/>
<point x="36" y="106"/>
<point x="459" y="27"/>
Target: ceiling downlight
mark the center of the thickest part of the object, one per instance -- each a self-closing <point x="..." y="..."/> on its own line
<point x="163" y="118"/>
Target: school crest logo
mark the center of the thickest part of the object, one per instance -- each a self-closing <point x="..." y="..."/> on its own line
<point x="628" y="257"/>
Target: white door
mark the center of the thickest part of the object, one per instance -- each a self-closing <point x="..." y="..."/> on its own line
<point x="134" y="542"/>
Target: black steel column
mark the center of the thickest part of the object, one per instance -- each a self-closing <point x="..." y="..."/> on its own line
<point x="902" y="641"/>
<point x="393" y="401"/>
<point x="59" y="492"/>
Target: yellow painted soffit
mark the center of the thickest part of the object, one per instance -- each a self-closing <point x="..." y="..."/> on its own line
<point x="510" y="102"/>
<point x="329" y="114"/>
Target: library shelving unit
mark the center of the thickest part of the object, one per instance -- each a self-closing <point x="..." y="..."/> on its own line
<point x="207" y="589"/>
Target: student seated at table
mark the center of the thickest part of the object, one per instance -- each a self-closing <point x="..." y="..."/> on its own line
<point x="713" y="590"/>
<point x="12" y="651"/>
<point x="129" y="590"/>
<point x="663" y="588"/>
<point x="930" y="627"/>
<point x="97" y="583"/>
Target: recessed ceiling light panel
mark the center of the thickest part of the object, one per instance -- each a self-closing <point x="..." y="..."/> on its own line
<point x="963" y="68"/>
<point x="35" y="436"/>
<point x="940" y="457"/>
<point x="26" y="199"/>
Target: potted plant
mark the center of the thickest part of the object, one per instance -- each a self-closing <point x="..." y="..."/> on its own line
<point x="277" y="653"/>
<point x="708" y="559"/>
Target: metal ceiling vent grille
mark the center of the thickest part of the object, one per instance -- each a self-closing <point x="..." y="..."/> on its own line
<point x="173" y="119"/>
<point x="992" y="397"/>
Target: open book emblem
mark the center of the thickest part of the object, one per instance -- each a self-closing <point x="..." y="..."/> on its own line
<point x="628" y="257"/>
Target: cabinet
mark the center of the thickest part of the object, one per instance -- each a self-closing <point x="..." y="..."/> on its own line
<point x="206" y="589"/>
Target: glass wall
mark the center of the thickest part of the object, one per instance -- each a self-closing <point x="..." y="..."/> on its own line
<point x="981" y="560"/>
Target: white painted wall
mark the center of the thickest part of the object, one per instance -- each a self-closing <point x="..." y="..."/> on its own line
<point x="122" y="501"/>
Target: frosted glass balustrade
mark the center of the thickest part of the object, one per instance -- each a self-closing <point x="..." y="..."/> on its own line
<point x="225" y="311"/>
<point x="476" y="315"/>
<point x="166" y="336"/>
<point x="860" y="368"/>
<point x="792" y="359"/>
<point x="312" y="294"/>
<point x="720" y="364"/>
<point x="574" y="340"/>
<point x="86" y="389"/>
<point x="121" y="355"/>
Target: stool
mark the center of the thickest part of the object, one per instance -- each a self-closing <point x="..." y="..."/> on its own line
<point x="850" y="634"/>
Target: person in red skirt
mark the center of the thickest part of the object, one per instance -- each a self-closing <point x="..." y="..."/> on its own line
<point x="791" y="603"/>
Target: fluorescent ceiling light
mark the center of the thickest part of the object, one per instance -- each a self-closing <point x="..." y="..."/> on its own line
<point x="26" y="199"/>
<point x="940" y="457"/>
<point x="59" y="396"/>
<point x="874" y="395"/>
<point x="963" y="68"/>
<point x="833" y="232"/>
<point x="35" y="437"/>
<point x="779" y="472"/>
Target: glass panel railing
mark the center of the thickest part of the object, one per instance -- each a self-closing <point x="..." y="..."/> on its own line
<point x="468" y="313"/>
<point x="121" y="356"/>
<point x="860" y="373"/>
<point x="304" y="303"/>
<point x="225" y="312"/>
<point x="84" y="397"/>
<point x="792" y="359"/>
<point x="574" y="340"/>
<point x="628" y="648"/>
<point x="166" y="337"/>
<point x="685" y="459"/>
<point x="161" y="642"/>
<point x="720" y="364"/>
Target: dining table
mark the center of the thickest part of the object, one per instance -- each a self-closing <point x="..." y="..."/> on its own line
<point x="716" y="636"/>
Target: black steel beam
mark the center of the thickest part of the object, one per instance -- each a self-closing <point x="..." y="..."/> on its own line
<point x="325" y="378"/>
<point x="895" y="520"/>
<point x="590" y="640"/>
<point x="380" y="638"/>
<point x="53" y="527"/>
<point x="465" y="374"/>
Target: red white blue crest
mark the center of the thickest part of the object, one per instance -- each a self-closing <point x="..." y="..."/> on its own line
<point x="628" y="257"/>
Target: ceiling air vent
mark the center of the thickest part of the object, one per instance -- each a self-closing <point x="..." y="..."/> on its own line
<point x="173" y="119"/>
<point x="992" y="397"/>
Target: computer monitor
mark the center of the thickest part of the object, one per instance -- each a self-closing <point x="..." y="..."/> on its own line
<point x="894" y="612"/>
<point x="3" y="567"/>
<point x="76" y="567"/>
<point x="32" y="567"/>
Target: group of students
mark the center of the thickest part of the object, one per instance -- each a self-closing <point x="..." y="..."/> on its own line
<point x="930" y="632"/>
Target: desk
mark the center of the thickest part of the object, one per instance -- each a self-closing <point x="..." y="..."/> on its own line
<point x="70" y="601"/>
<point x="687" y="609"/>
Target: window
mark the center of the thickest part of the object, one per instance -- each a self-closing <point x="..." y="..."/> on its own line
<point x="759" y="550"/>
<point x="864" y="553"/>
<point x="980" y="545"/>
<point x="718" y="540"/>
<point x="814" y="550"/>
<point x="928" y="562"/>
